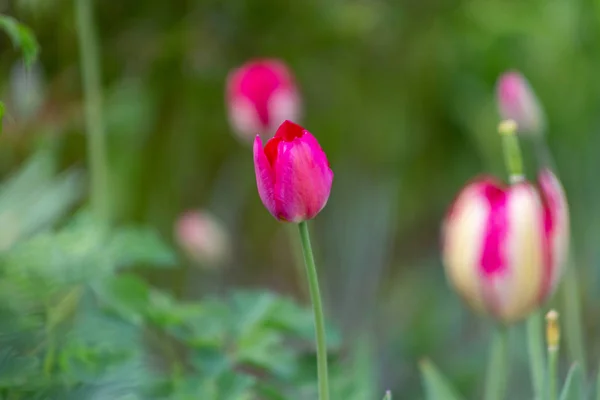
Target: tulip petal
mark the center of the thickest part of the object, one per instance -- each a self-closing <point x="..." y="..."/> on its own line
<point x="243" y="117"/>
<point x="284" y="104"/>
<point x="521" y="288"/>
<point x="265" y="177"/>
<point x="463" y="231"/>
<point x="556" y="229"/>
<point x="303" y="179"/>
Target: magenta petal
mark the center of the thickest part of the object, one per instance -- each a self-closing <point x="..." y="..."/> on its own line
<point x="555" y="228"/>
<point x="265" y="177"/>
<point x="493" y="260"/>
<point x="303" y="179"/>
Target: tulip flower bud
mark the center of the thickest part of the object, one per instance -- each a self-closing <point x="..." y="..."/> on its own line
<point x="292" y="174"/>
<point x="261" y="94"/>
<point x="504" y="247"/>
<point x="517" y="101"/>
<point x="203" y="238"/>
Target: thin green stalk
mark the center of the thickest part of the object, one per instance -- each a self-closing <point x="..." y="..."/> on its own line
<point x="50" y="356"/>
<point x="497" y="373"/>
<point x="90" y="69"/>
<point x="572" y="314"/>
<point x="315" y="296"/>
<point x="552" y="374"/>
<point x="512" y="152"/>
<point x="297" y="256"/>
<point x="598" y="385"/>
<point x="537" y="360"/>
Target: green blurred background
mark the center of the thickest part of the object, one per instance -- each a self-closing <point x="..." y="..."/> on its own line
<point x="401" y="96"/>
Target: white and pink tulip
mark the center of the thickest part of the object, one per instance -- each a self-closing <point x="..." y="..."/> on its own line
<point x="504" y="248"/>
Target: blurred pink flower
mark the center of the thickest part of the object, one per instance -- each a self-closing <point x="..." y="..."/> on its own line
<point x="504" y="248"/>
<point x="292" y="173"/>
<point x="261" y="94"/>
<point x="203" y="238"/>
<point x="517" y="101"/>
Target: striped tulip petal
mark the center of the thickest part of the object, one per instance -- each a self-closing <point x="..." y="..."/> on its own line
<point x="504" y="246"/>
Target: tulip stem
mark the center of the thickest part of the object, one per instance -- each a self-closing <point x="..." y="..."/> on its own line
<point x="512" y="151"/>
<point x="572" y="313"/>
<point x="88" y="52"/>
<point x="497" y="373"/>
<point x="598" y="384"/>
<point x="536" y="353"/>
<point x="315" y="296"/>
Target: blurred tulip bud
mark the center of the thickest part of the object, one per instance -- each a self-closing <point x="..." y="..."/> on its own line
<point x="26" y="90"/>
<point x="261" y="94"/>
<point x="517" y="101"/>
<point x="504" y="248"/>
<point x="292" y="174"/>
<point x="203" y="238"/>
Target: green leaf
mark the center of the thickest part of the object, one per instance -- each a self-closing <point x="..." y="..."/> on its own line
<point x="436" y="385"/>
<point x="264" y="349"/>
<point x="388" y="395"/>
<point x="127" y="295"/>
<point x="54" y="260"/>
<point x="236" y="386"/>
<point x="16" y="369"/>
<point x="573" y="388"/>
<point x="211" y="362"/>
<point x="133" y="247"/>
<point x="22" y="38"/>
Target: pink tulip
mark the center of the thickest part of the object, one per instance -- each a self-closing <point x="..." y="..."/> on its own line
<point x="292" y="174"/>
<point x="261" y="94"/>
<point x="504" y="248"/>
<point x="203" y="238"/>
<point x="517" y="101"/>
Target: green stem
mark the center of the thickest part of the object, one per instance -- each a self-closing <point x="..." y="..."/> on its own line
<point x="88" y="51"/>
<point x="552" y="373"/>
<point x="536" y="353"/>
<point x="598" y="385"/>
<point x="495" y="383"/>
<point x="49" y="357"/>
<point x="313" y="285"/>
<point x="572" y="314"/>
<point x="512" y="153"/>
<point x="297" y="256"/>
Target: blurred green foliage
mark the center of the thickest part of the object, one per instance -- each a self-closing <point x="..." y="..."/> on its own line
<point x="400" y="94"/>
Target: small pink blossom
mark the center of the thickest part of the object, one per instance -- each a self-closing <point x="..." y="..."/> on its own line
<point x="261" y="94"/>
<point x="505" y="247"/>
<point x="292" y="173"/>
<point x="517" y="101"/>
<point x="203" y="238"/>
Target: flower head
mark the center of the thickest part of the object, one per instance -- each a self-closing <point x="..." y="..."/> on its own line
<point x="261" y="94"/>
<point x="504" y="247"/>
<point x="517" y="101"/>
<point x="203" y="238"/>
<point x="292" y="174"/>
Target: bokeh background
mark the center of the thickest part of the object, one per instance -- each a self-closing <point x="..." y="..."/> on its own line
<point x="400" y="95"/>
